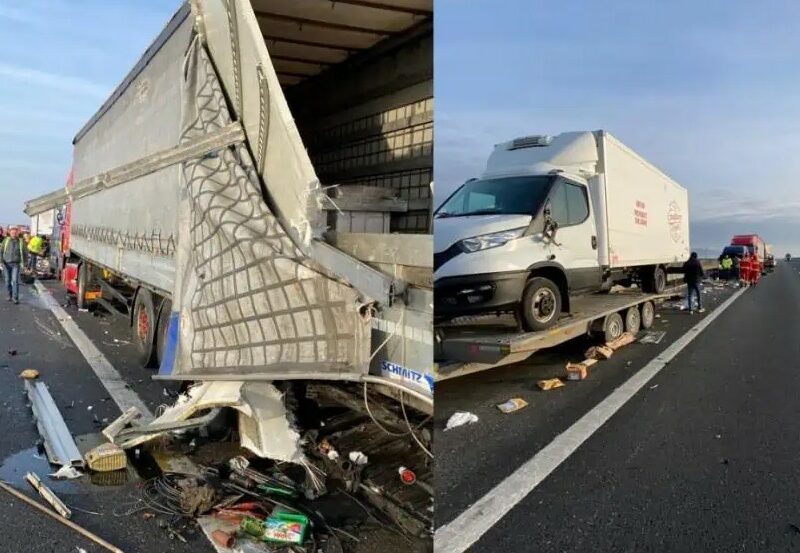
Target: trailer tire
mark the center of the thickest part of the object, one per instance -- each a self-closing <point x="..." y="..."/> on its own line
<point x="648" y="314"/>
<point x="162" y="330"/>
<point x="633" y="320"/>
<point x="541" y="304"/>
<point x="143" y="330"/>
<point x="83" y="285"/>
<point x="613" y="327"/>
<point x="655" y="280"/>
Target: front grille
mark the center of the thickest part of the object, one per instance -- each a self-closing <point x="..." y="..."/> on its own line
<point x="441" y="258"/>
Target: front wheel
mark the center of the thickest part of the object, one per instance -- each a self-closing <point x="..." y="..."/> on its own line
<point x="541" y="304"/>
<point x="83" y="285"/>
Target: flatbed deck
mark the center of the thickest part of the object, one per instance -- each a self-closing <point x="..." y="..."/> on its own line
<point x="484" y="343"/>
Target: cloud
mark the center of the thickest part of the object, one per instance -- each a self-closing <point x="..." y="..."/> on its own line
<point x="63" y="83"/>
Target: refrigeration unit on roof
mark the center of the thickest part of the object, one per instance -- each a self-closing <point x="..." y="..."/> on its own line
<point x="532" y="141"/>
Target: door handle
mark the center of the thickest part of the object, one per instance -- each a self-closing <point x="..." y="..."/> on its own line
<point x="594" y="242"/>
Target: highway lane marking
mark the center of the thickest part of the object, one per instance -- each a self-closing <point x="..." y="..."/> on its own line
<point x="468" y="527"/>
<point x="116" y="386"/>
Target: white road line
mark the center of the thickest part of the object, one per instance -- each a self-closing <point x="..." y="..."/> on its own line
<point x="466" y="529"/>
<point x="105" y="371"/>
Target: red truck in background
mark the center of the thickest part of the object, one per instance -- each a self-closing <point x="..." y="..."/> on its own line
<point x="755" y="245"/>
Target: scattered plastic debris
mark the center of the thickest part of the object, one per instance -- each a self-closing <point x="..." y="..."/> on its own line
<point x="513" y="404"/>
<point x="652" y="337"/>
<point x="358" y="458"/>
<point x="66" y="473"/>
<point x="460" y="418"/>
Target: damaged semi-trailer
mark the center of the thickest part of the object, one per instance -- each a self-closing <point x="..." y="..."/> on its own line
<point x="255" y="197"/>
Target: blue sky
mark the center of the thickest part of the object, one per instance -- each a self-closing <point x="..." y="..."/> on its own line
<point x="708" y="91"/>
<point x="59" y="60"/>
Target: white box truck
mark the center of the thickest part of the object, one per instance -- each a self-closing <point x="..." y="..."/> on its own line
<point x="552" y="218"/>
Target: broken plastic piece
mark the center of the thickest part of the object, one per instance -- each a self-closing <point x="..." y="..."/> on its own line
<point x="549" y="384"/>
<point x="358" y="458"/>
<point x="66" y="473"/>
<point x="460" y="418"/>
<point x="513" y="404"/>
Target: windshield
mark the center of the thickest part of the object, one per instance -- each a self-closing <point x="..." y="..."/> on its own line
<point x="737" y="251"/>
<point x="505" y="196"/>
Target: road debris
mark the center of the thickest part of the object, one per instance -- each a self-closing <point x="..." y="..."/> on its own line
<point x="111" y="431"/>
<point x="625" y="339"/>
<point x="460" y="418"/>
<point x="66" y="473"/>
<point x="36" y="505"/>
<point x="549" y="384"/>
<point x="48" y="495"/>
<point x="106" y="458"/>
<point x="58" y="441"/>
<point x="513" y="404"/>
<point x="652" y="337"/>
<point x="599" y="352"/>
<point x="29" y="374"/>
<point x="577" y="371"/>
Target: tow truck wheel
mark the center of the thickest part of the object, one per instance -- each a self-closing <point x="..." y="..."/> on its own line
<point x="633" y="320"/>
<point x="648" y="314"/>
<point x="541" y="304"/>
<point x="613" y="327"/>
<point x="144" y="326"/>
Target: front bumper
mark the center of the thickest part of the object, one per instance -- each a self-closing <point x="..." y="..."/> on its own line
<point x="475" y="294"/>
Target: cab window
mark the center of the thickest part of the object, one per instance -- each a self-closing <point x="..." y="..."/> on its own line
<point x="569" y="204"/>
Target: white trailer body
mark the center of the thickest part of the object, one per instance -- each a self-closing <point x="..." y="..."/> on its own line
<point x="43" y="223"/>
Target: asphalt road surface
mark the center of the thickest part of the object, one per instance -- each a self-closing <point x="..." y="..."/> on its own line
<point x="702" y="458"/>
<point x="32" y="338"/>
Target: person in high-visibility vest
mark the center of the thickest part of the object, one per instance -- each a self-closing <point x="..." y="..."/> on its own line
<point x="36" y="249"/>
<point x="726" y="266"/>
<point x="746" y="270"/>
<point x="13" y="254"/>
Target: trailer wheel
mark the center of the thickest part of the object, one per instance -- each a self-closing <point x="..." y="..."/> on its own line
<point x="633" y="320"/>
<point x="163" y="330"/>
<point x="144" y="326"/>
<point x="541" y="303"/>
<point x="648" y="314"/>
<point x="83" y="285"/>
<point x="613" y="327"/>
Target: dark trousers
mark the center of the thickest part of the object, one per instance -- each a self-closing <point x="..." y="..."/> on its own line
<point x="11" y="271"/>
<point x="693" y="288"/>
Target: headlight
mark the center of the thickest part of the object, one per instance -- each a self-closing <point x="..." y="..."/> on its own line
<point x="493" y="240"/>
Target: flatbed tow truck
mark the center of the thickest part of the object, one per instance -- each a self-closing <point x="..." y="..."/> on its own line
<point x="472" y="344"/>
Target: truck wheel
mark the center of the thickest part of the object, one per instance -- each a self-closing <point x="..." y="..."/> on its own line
<point x="163" y="330"/>
<point x="541" y="303"/>
<point x="655" y="281"/>
<point x="613" y="327"/>
<point x="83" y="285"/>
<point x="648" y="314"/>
<point x="144" y="326"/>
<point x="633" y="320"/>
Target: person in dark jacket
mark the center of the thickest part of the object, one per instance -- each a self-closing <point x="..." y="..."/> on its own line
<point x="692" y="275"/>
<point x="13" y="256"/>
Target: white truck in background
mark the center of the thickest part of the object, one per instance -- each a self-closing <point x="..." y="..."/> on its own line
<point x="552" y="218"/>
